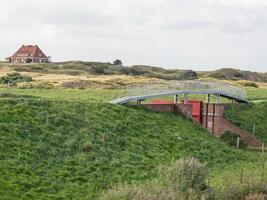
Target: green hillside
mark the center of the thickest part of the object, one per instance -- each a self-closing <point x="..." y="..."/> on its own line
<point x="81" y="68"/>
<point x="245" y="116"/>
<point x="76" y="68"/>
<point x="235" y="74"/>
<point x="58" y="149"/>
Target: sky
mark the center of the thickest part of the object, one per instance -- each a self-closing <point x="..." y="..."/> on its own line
<point x="184" y="34"/>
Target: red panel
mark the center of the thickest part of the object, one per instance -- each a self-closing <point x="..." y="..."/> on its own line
<point x="196" y="107"/>
<point x="196" y="110"/>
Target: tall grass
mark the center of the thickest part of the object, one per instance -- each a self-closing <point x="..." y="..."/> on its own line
<point x="67" y="149"/>
<point x="251" y="117"/>
<point x="181" y="180"/>
<point x="71" y="144"/>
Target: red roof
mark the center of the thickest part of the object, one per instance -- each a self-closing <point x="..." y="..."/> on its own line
<point x="32" y="51"/>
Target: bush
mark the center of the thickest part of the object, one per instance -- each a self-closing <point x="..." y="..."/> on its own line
<point x="189" y="75"/>
<point x="117" y="62"/>
<point x="247" y="84"/>
<point x="256" y="191"/>
<point x="42" y="85"/>
<point x="13" y="78"/>
<point x="99" y="69"/>
<point x="256" y="197"/>
<point x="231" y="139"/>
<point x="87" y="147"/>
<point x="183" y="179"/>
<point x="45" y="86"/>
<point x="80" y="84"/>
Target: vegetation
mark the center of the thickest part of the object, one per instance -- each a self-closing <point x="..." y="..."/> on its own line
<point x="76" y="68"/>
<point x="247" y="84"/>
<point x="235" y="74"/>
<point x="117" y="62"/>
<point x="183" y="179"/>
<point x="252" y="191"/>
<point x="87" y="95"/>
<point x="186" y="179"/>
<point x="231" y="139"/>
<point x="71" y="144"/>
<point x="257" y="93"/>
<point x="36" y="85"/>
<point x="245" y="116"/>
<point x="72" y="149"/>
<point x="13" y="78"/>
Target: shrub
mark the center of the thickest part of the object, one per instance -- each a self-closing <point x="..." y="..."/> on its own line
<point x="99" y="69"/>
<point x="247" y="84"/>
<point x="45" y="86"/>
<point x="13" y="78"/>
<point x="189" y="75"/>
<point x="80" y="84"/>
<point x="30" y="69"/>
<point x="73" y="72"/>
<point x="87" y="147"/>
<point x="42" y="85"/>
<point x="256" y="197"/>
<point x="117" y="62"/>
<point x="256" y="191"/>
<point x="183" y="179"/>
<point x="231" y="139"/>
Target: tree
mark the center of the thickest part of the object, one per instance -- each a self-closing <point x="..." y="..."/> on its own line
<point x="117" y="62"/>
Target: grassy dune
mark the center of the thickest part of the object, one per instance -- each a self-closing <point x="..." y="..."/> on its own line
<point x="70" y="149"/>
<point x="245" y="116"/>
<point x="63" y="144"/>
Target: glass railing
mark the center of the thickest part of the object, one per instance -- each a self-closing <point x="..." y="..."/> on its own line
<point x="186" y="86"/>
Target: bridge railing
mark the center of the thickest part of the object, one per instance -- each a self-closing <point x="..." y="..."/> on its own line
<point x="190" y="86"/>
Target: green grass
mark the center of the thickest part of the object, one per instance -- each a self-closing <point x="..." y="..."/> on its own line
<point x="43" y="139"/>
<point x="246" y="115"/>
<point x="86" y="95"/>
<point x="224" y="177"/>
<point x="257" y="94"/>
<point x="41" y="145"/>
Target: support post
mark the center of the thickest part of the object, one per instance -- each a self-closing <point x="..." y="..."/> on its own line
<point x="208" y="98"/>
<point x="238" y="142"/>
<point x="213" y="119"/>
<point x="186" y="98"/>
<point x="176" y="99"/>
<point x="140" y="101"/>
<point x="254" y="128"/>
<point x="218" y="98"/>
<point x="262" y="161"/>
<point x="207" y="114"/>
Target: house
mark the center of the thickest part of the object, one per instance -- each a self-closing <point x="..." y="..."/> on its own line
<point x="28" y="54"/>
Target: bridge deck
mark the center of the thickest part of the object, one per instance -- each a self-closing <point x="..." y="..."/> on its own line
<point x="125" y="100"/>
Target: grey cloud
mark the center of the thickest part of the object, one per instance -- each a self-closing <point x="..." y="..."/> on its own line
<point x="187" y="25"/>
<point x="189" y="33"/>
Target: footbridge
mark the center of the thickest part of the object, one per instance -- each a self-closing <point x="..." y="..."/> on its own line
<point x="184" y="88"/>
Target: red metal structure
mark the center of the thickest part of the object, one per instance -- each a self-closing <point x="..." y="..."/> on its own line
<point x="196" y="107"/>
<point x="196" y="110"/>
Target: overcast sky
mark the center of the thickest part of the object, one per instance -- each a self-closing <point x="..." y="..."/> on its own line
<point x="192" y="34"/>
